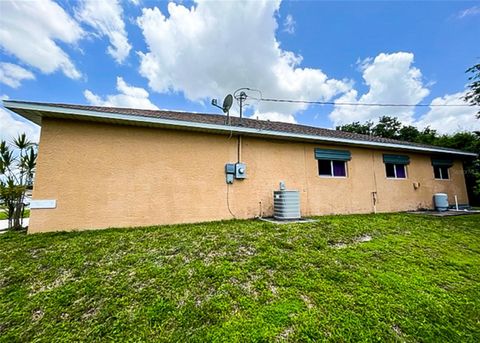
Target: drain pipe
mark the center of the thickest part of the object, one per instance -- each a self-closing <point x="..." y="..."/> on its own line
<point x="239" y="149"/>
<point x="374" y="193"/>
<point x="374" y="196"/>
<point x="456" y="203"/>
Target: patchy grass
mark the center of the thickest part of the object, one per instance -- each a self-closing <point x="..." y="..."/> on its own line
<point x="3" y="214"/>
<point x="392" y="277"/>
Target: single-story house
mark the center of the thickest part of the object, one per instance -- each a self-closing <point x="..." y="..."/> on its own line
<point x="102" y="167"/>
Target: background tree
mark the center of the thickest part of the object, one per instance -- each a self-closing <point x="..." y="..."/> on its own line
<point x="356" y="127"/>
<point x="387" y="127"/>
<point x="409" y="133"/>
<point x="17" y="169"/>
<point x="427" y="136"/>
<point x="473" y="96"/>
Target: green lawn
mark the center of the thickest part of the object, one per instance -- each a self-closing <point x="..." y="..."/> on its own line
<point x="417" y="279"/>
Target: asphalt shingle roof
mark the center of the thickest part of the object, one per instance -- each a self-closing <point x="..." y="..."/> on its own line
<point x="236" y="121"/>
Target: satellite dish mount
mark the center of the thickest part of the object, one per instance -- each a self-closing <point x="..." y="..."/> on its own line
<point x="227" y="104"/>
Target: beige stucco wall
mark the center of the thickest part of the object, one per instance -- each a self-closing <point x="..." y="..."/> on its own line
<point x="121" y="176"/>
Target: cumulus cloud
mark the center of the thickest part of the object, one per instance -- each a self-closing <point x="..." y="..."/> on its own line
<point x="274" y="116"/>
<point x="391" y="78"/>
<point x="450" y="119"/>
<point x="289" y="24"/>
<point x="106" y="18"/>
<point x="11" y="125"/>
<point x="128" y="96"/>
<point x="213" y="48"/>
<point x="12" y="75"/>
<point x="30" y="31"/>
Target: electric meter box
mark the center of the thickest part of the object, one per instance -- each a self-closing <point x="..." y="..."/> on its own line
<point x="240" y="170"/>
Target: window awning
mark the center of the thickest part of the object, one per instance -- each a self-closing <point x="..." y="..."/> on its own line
<point x="396" y="159"/>
<point x="442" y="162"/>
<point x="330" y="154"/>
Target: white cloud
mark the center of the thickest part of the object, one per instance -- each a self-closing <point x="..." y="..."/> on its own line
<point x="289" y="24"/>
<point x="391" y="78"/>
<point x="472" y="11"/>
<point x="12" y="75"/>
<point x="213" y="48"/>
<point x="11" y="125"/>
<point x="450" y="119"/>
<point x="129" y="96"/>
<point x="29" y="30"/>
<point x="274" y="116"/>
<point x="106" y="18"/>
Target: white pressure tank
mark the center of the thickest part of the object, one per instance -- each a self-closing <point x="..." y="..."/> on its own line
<point x="441" y="201"/>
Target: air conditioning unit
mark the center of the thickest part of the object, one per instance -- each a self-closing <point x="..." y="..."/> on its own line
<point x="286" y="204"/>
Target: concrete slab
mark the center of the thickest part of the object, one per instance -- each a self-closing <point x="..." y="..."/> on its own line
<point x="293" y="221"/>
<point x="448" y="213"/>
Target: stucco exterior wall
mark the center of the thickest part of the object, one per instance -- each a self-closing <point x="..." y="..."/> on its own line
<point x="123" y="176"/>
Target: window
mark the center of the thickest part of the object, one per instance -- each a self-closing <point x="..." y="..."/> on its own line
<point x="440" y="167"/>
<point x="395" y="171"/>
<point x="395" y="166"/>
<point x="332" y="168"/>
<point x="332" y="163"/>
<point x="441" y="172"/>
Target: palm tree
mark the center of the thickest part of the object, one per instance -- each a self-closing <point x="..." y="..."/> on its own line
<point x="17" y="169"/>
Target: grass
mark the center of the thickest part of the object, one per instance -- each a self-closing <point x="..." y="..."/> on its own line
<point x="417" y="279"/>
<point x="3" y="214"/>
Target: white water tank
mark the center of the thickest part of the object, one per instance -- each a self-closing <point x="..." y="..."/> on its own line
<point x="440" y="201"/>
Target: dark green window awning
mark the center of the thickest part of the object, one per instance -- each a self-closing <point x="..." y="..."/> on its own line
<point x="442" y="162"/>
<point x="396" y="159"/>
<point x="330" y="154"/>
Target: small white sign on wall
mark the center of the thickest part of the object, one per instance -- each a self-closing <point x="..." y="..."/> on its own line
<point x="43" y="204"/>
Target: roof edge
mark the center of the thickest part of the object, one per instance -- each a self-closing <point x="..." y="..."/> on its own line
<point x="15" y="104"/>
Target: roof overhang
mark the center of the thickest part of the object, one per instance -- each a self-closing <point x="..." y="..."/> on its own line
<point x="36" y="112"/>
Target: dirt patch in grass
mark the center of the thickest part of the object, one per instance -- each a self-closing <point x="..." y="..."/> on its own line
<point x="354" y="241"/>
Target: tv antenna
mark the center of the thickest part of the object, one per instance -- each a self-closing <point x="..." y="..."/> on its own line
<point x="238" y="95"/>
<point x="241" y="96"/>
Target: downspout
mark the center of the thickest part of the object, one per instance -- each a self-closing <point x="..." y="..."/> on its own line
<point x="239" y="149"/>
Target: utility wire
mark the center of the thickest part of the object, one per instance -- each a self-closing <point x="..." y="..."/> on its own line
<point x="355" y="104"/>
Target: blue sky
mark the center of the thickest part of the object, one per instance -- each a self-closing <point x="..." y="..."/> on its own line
<point x="179" y="56"/>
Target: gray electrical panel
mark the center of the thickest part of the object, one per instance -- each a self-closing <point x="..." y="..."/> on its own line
<point x="235" y="171"/>
<point x="229" y="172"/>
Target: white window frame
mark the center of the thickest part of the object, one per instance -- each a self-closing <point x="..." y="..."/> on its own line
<point x="441" y="174"/>
<point x="331" y="176"/>
<point x="395" y="171"/>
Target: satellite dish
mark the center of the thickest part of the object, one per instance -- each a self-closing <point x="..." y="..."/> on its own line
<point x="227" y="103"/>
